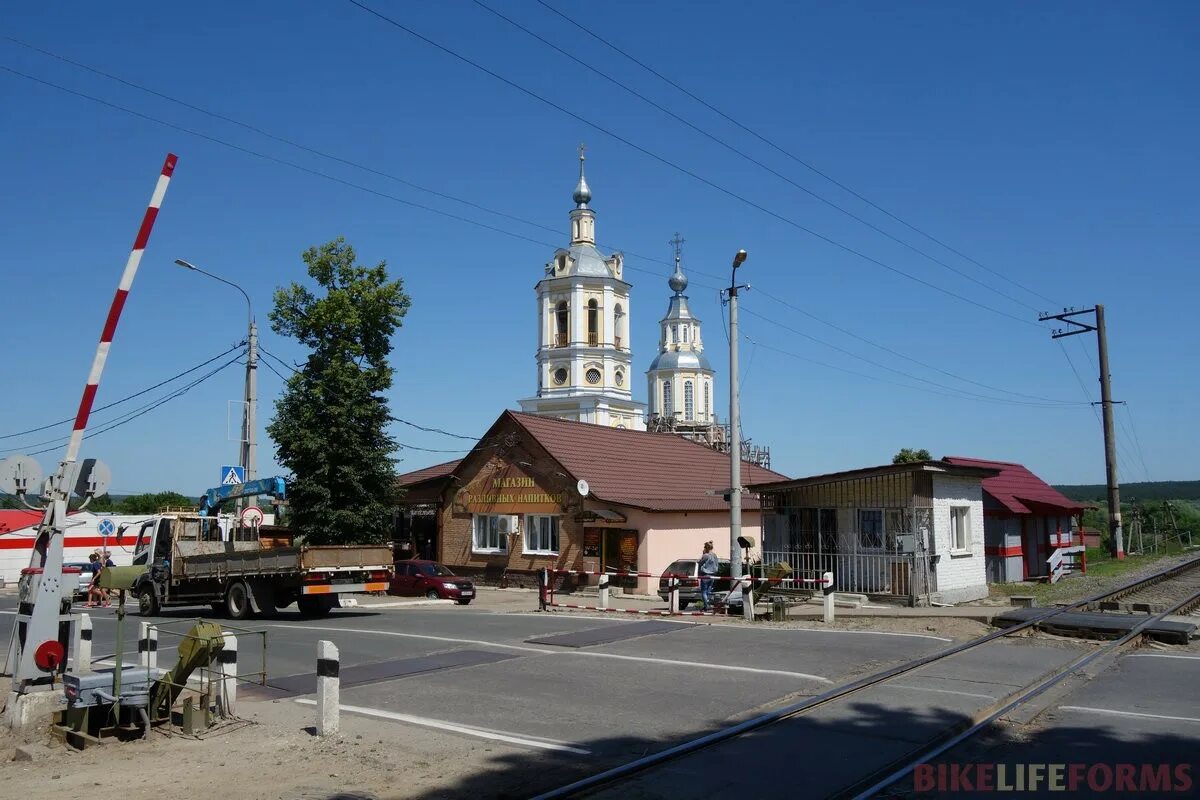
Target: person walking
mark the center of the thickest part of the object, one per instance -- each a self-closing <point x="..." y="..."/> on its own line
<point x="708" y="570"/>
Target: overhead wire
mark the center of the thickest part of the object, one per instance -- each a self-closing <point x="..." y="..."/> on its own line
<point x="741" y="153"/>
<point x="686" y="171"/>
<point x="127" y="398"/>
<point x="780" y="149"/>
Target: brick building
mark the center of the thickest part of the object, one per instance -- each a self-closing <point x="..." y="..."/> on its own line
<point x="544" y="492"/>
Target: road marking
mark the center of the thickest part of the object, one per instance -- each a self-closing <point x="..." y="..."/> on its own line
<point x="1163" y="655"/>
<point x="9" y="612"/>
<point x="842" y="630"/>
<point x="585" y="653"/>
<point x="697" y="664"/>
<point x="420" y="636"/>
<point x="943" y="691"/>
<point x="1127" y="713"/>
<point x="454" y="727"/>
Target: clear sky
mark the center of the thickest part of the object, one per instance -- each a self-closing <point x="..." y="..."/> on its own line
<point x="1053" y="143"/>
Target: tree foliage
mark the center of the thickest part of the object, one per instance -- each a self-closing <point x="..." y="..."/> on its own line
<point x="330" y="423"/>
<point x="907" y="456"/>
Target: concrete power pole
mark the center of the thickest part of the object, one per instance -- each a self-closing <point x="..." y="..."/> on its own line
<point x="735" y="433"/>
<point x="1106" y="404"/>
<point x="249" y="420"/>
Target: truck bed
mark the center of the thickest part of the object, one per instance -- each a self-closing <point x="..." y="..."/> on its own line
<point x="282" y="561"/>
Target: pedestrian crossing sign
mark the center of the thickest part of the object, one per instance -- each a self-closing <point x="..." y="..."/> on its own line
<point x="232" y="476"/>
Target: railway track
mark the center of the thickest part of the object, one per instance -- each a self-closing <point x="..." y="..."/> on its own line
<point x="1172" y="591"/>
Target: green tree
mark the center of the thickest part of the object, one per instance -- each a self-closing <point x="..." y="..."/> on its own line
<point x="330" y="424"/>
<point x="151" y="503"/>
<point x="907" y="456"/>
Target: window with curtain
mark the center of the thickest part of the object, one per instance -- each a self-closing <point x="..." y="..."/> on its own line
<point x="541" y="534"/>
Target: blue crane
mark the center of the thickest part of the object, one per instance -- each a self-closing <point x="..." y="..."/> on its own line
<point x="215" y="497"/>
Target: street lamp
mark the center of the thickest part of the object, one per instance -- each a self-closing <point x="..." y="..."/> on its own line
<point x="735" y="434"/>
<point x="248" y="451"/>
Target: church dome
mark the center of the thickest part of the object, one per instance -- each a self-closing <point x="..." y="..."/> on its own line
<point x="678" y="281"/>
<point x="681" y="360"/>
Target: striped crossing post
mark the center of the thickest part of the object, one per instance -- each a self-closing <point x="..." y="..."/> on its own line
<point x="329" y="689"/>
<point x="603" y="591"/>
<point x="227" y="670"/>
<point x="148" y="645"/>
<point x="827" y="580"/>
<point x="40" y="618"/>
<point x="81" y="646"/>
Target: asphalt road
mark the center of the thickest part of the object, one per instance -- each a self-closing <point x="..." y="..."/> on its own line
<point x="577" y="710"/>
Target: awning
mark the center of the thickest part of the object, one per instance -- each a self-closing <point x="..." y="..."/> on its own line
<point x="605" y="514"/>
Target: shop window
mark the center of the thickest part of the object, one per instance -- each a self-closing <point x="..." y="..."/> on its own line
<point x="490" y="533"/>
<point x="870" y="527"/>
<point x="541" y="535"/>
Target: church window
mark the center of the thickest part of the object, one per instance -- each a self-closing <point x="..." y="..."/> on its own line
<point x="674" y="334"/>
<point x="685" y="334"/>
<point x="593" y="323"/>
<point x="620" y="377"/>
<point x="560" y="375"/>
<point x="619" y="321"/>
<point x="562" y="320"/>
<point x="707" y="406"/>
<point x="593" y="375"/>
<point x="668" y="407"/>
<point x="689" y="400"/>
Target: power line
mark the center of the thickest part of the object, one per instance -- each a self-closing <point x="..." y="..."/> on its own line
<point x="898" y="354"/>
<point x="435" y="430"/>
<point x="129" y="397"/>
<point x="1087" y="395"/>
<point x="314" y="151"/>
<point x="278" y="374"/>
<point x="960" y="392"/>
<point x="806" y="164"/>
<point x="143" y="410"/>
<point x="684" y="170"/>
<point x="733" y="149"/>
<point x="1136" y="441"/>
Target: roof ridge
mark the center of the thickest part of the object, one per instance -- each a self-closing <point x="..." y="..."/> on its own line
<point x="985" y="460"/>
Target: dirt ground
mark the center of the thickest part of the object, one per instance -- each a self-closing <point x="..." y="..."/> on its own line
<point x="270" y="754"/>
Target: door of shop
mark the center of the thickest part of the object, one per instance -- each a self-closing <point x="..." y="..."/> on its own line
<point x="618" y="553"/>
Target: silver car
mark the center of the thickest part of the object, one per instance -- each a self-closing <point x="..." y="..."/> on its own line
<point x="85" y="577"/>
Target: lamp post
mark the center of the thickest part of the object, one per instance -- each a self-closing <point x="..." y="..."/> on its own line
<point x="247" y="455"/>
<point x="735" y="434"/>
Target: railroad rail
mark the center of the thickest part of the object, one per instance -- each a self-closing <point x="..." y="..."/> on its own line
<point x="897" y="770"/>
<point x="1156" y="592"/>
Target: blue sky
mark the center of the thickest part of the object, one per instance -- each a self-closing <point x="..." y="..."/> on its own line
<point x="1054" y="144"/>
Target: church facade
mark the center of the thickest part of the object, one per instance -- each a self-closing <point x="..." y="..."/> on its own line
<point x="584" y="354"/>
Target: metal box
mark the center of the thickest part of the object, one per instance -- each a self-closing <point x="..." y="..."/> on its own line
<point x="95" y="688"/>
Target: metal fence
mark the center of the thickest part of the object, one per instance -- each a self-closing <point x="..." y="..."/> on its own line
<point x="872" y="573"/>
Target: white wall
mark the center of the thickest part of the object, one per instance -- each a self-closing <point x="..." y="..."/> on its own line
<point x="960" y="576"/>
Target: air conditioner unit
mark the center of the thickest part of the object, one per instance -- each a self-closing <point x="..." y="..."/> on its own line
<point x="508" y="524"/>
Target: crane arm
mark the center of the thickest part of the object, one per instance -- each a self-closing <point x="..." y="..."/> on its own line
<point x="215" y="497"/>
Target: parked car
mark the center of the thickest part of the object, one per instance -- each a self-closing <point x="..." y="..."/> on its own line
<point x="85" y="577"/>
<point x="688" y="571"/>
<point x="416" y="578"/>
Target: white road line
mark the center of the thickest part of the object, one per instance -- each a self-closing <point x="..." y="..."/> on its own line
<point x="13" y="613"/>
<point x="583" y="653"/>
<point x="699" y="665"/>
<point x="454" y="727"/>
<point x="1127" y="713"/>
<point x="843" y="630"/>
<point x="943" y="691"/>
<point x="419" y="636"/>
<point x="1163" y="655"/>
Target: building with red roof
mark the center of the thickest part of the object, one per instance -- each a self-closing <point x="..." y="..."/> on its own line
<point x="1025" y="520"/>
<point x="538" y="491"/>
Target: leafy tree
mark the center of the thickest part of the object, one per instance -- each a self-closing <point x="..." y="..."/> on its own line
<point x="907" y="456"/>
<point x="151" y="503"/>
<point x="330" y="424"/>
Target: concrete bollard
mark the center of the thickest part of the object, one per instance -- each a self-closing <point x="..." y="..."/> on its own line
<point x="827" y="580"/>
<point x="748" y="599"/>
<point x="603" y="591"/>
<point x="226" y="680"/>
<point x="148" y="645"/>
<point x="81" y="645"/>
<point x="328" y="689"/>
<point x="673" y="595"/>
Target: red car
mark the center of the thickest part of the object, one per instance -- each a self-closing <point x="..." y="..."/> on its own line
<point x="415" y="578"/>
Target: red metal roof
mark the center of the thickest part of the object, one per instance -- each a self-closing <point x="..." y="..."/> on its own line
<point x="651" y="471"/>
<point x="15" y="519"/>
<point x="1017" y="489"/>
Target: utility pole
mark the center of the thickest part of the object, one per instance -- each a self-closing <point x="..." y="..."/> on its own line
<point x="735" y="434"/>
<point x="1106" y="403"/>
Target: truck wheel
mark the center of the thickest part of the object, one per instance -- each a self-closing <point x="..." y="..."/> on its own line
<point x="148" y="605"/>
<point x="237" y="601"/>
<point x="315" y="606"/>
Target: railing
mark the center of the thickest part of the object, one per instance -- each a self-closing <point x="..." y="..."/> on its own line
<point x="593" y="339"/>
<point x="617" y="342"/>
<point x="895" y="574"/>
<point x="560" y="340"/>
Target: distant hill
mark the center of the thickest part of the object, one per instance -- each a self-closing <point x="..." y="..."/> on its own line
<point x="1156" y="490"/>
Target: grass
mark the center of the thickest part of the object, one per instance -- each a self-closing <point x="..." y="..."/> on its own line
<point x="1103" y="571"/>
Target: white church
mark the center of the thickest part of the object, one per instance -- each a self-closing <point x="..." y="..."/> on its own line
<point x="584" y="358"/>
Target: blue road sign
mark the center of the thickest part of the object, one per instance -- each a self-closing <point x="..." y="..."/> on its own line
<point x="106" y="527"/>
<point x="231" y="476"/>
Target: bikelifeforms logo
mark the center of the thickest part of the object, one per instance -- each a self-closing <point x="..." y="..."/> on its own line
<point x="1090" y="779"/>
